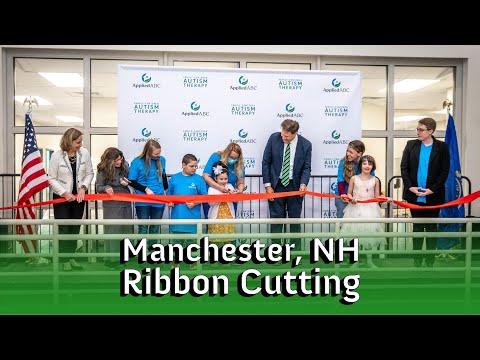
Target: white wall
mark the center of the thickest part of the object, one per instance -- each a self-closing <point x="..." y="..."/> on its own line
<point x="470" y="129"/>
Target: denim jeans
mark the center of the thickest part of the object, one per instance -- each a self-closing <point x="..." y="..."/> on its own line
<point x="340" y="205"/>
<point x="149" y="212"/>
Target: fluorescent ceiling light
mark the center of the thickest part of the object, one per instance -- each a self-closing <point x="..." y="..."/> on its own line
<point x="407" y="118"/>
<point x="41" y="101"/>
<point x="64" y="79"/>
<point x="409" y="85"/>
<point x="67" y="118"/>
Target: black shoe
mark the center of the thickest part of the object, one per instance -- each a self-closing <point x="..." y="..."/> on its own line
<point x="417" y="263"/>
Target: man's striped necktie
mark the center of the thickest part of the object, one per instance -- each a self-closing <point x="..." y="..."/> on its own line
<point x="285" y="174"/>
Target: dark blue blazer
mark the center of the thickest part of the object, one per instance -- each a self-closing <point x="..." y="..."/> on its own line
<point x="273" y="159"/>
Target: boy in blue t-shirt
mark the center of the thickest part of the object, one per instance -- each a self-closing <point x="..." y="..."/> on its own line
<point x="186" y="182"/>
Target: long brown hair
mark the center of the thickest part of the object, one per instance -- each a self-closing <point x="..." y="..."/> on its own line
<point x="107" y="163"/>
<point x="225" y="154"/>
<point x="349" y="166"/>
<point x="146" y="154"/>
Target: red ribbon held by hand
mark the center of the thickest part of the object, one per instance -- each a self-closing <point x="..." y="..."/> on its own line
<point x="182" y="199"/>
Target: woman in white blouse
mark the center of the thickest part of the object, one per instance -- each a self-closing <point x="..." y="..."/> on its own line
<point x="70" y="173"/>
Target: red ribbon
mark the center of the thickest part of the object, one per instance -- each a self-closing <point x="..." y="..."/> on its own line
<point x="182" y="199"/>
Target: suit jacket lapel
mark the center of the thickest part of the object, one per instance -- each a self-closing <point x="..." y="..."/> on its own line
<point x="416" y="152"/>
<point x="435" y="151"/>
<point x="279" y="154"/>
<point x="276" y="156"/>
<point x="299" y="149"/>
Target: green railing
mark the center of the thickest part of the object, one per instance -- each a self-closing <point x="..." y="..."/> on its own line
<point x="395" y="286"/>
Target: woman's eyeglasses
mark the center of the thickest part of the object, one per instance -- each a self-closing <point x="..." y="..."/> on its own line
<point x="421" y="130"/>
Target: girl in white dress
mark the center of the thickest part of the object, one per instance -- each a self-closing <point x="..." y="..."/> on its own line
<point x="363" y="187"/>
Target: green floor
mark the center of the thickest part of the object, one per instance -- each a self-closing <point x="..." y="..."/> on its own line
<point x="395" y="287"/>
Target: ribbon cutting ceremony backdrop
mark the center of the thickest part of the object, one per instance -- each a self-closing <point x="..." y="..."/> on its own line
<point x="200" y="111"/>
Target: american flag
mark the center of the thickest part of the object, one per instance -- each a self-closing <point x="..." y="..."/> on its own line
<point x="33" y="179"/>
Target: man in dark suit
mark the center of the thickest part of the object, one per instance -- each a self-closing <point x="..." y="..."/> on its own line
<point x="425" y="166"/>
<point x="286" y="166"/>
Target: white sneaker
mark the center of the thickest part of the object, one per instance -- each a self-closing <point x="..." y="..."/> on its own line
<point x="42" y="261"/>
<point x="355" y="265"/>
<point x="371" y="265"/>
<point x="75" y="265"/>
<point x="38" y="261"/>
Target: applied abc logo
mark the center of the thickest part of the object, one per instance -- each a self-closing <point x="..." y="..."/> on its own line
<point x="243" y="80"/>
<point x="333" y="187"/>
<point x="336" y="87"/>
<point x="335" y="135"/>
<point x="242" y="138"/>
<point x="290" y="112"/>
<point x="194" y="106"/>
<point x="146" y="132"/>
<point x="336" y="83"/>
<point x="146" y="83"/>
<point x="242" y="133"/>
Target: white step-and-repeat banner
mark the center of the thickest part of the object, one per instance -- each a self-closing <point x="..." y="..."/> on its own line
<point x="202" y="110"/>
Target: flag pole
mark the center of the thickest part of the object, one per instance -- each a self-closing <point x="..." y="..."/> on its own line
<point x="30" y="101"/>
<point x="453" y="188"/>
<point x="30" y="245"/>
<point x="447" y="104"/>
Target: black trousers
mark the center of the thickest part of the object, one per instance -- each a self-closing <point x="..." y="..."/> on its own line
<point x="290" y="207"/>
<point x="431" y="242"/>
<point x="68" y="210"/>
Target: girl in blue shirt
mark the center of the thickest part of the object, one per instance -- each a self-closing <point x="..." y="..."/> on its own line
<point x="147" y="176"/>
